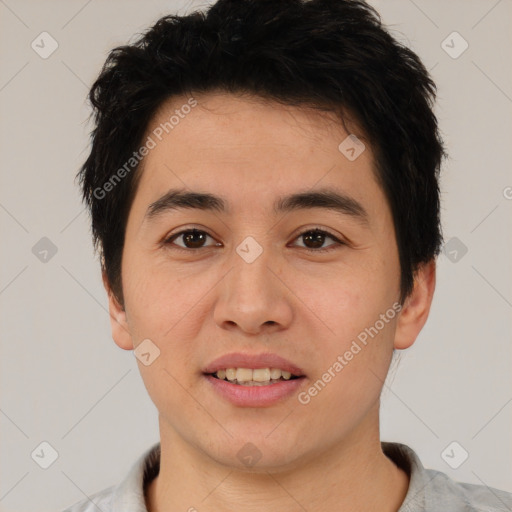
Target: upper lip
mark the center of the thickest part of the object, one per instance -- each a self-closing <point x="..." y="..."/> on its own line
<point x="241" y="360"/>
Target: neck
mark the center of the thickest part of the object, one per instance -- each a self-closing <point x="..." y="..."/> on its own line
<point x="351" y="476"/>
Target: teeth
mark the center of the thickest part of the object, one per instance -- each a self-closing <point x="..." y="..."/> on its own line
<point x="275" y="373"/>
<point x="256" y="377"/>
<point x="261" y="374"/>
<point x="243" y="374"/>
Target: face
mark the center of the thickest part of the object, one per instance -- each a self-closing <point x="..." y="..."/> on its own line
<point x="258" y="279"/>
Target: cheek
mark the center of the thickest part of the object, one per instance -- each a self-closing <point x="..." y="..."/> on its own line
<point x="353" y="368"/>
<point x="167" y="304"/>
<point x="348" y="299"/>
<point x="359" y="313"/>
<point x="156" y="295"/>
<point x="160" y="307"/>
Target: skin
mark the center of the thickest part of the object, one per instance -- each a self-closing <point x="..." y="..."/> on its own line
<point x="307" y="307"/>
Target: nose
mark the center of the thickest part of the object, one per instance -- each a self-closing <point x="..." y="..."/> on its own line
<point x="254" y="297"/>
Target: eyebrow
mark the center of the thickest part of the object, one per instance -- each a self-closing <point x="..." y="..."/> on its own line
<point x="327" y="199"/>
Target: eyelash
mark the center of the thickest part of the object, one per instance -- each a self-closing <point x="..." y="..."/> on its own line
<point x="170" y="239"/>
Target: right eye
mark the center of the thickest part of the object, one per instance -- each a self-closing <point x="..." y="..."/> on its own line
<point x="192" y="239"/>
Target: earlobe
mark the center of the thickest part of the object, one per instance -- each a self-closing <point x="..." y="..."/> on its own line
<point x="416" y="308"/>
<point x="118" y="324"/>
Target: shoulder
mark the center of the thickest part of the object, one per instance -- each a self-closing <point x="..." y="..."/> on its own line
<point x="431" y="490"/>
<point x="444" y="491"/>
<point x="101" y="500"/>
<point x="127" y="495"/>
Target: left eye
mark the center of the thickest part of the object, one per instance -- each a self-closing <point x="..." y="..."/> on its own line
<point x="195" y="238"/>
<point x="317" y="238"/>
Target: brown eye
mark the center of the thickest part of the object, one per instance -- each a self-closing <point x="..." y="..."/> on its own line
<point x="314" y="239"/>
<point x="190" y="238"/>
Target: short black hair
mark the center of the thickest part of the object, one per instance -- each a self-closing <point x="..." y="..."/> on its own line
<point x="334" y="55"/>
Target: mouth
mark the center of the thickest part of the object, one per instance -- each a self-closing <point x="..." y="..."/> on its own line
<point x="254" y="380"/>
<point x="254" y="377"/>
<point x="249" y="391"/>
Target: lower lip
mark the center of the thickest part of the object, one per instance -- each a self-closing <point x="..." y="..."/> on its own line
<point x="255" y="396"/>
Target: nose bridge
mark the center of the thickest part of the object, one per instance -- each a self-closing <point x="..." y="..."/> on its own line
<point x="252" y="295"/>
<point x="251" y="274"/>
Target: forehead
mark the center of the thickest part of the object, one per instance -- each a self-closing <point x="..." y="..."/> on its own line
<point x="251" y="149"/>
<point x="215" y="115"/>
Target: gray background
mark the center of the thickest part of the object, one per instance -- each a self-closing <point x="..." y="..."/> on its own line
<point x="63" y="379"/>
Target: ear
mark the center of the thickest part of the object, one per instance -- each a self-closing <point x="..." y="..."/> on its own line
<point x="118" y="324"/>
<point x="416" y="307"/>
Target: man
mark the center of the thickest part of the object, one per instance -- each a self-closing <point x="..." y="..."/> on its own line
<point x="263" y="185"/>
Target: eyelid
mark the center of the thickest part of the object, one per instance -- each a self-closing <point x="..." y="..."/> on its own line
<point x="324" y="231"/>
<point x="169" y="239"/>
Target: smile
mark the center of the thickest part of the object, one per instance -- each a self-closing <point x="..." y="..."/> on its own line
<point x="254" y="377"/>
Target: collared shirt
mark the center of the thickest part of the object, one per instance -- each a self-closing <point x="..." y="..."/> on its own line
<point x="429" y="490"/>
